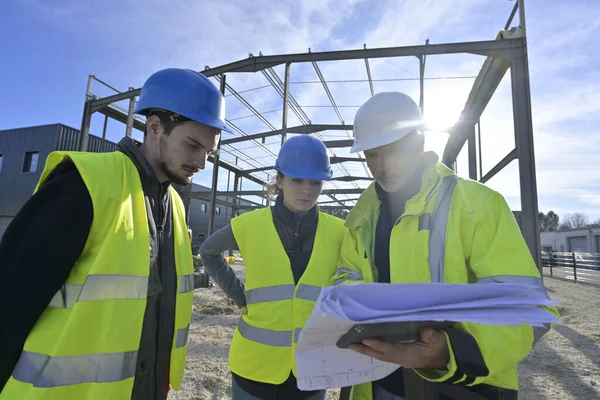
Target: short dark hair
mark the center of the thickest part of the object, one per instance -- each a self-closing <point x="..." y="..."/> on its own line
<point x="165" y="120"/>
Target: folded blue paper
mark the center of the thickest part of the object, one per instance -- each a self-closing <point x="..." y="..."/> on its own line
<point x="320" y="364"/>
<point x="486" y="303"/>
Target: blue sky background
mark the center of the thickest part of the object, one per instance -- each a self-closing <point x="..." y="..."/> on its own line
<point x="50" y="48"/>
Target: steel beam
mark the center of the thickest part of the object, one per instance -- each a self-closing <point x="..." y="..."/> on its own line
<point x="472" y="148"/>
<point x="488" y="79"/>
<point x="325" y="192"/>
<point x="248" y="105"/>
<point x="500" y="166"/>
<point x="286" y="91"/>
<point x="296" y="129"/>
<point x="332" y="160"/>
<point x="86" y="120"/>
<point x="351" y="178"/>
<point x="369" y="74"/>
<point x="277" y="84"/>
<point x="338" y="143"/>
<point x="525" y="152"/>
<point x="327" y="91"/>
<point x="512" y="15"/>
<point x="479" y="144"/>
<point x="103" y="142"/>
<point x="130" y="116"/>
<point x="97" y="104"/>
<point x="497" y="48"/>
<point x="337" y="159"/>
<point x="215" y="184"/>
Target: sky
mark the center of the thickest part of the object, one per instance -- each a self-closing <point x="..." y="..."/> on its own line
<point x="50" y="48"/>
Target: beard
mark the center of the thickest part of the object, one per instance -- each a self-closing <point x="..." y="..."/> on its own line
<point x="166" y="165"/>
<point x="173" y="176"/>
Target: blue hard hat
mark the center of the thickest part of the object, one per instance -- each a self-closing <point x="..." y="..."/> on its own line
<point x="304" y="157"/>
<point x="184" y="92"/>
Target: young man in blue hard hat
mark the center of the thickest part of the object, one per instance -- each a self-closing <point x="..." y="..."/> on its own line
<point x="290" y="251"/>
<point x="418" y="222"/>
<point x="97" y="271"/>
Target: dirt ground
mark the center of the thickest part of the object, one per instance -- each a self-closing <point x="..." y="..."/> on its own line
<point x="564" y="365"/>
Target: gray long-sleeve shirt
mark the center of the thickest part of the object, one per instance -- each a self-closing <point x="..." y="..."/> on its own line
<point x="218" y="269"/>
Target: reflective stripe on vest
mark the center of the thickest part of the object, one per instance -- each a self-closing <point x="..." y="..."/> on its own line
<point x="102" y="287"/>
<point x="186" y="283"/>
<point x="437" y="224"/>
<point x="182" y="337"/>
<point x="44" y="371"/>
<point x="275" y="293"/>
<point x="264" y="336"/>
<point x="437" y="244"/>
<point x="352" y="275"/>
<point x="282" y="292"/>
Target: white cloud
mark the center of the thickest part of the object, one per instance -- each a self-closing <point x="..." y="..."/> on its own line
<point x="192" y="34"/>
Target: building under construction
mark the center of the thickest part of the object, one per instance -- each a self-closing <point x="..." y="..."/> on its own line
<point x="247" y="157"/>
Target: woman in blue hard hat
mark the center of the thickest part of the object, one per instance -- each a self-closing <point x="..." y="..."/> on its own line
<point x="290" y="251"/>
<point x="103" y="246"/>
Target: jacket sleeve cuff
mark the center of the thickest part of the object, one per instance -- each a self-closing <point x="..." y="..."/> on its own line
<point x="466" y="361"/>
<point x="441" y="375"/>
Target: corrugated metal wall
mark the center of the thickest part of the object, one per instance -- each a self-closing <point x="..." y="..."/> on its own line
<point x="69" y="140"/>
<point x="17" y="186"/>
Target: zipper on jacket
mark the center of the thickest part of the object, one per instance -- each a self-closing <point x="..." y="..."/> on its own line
<point x="160" y="266"/>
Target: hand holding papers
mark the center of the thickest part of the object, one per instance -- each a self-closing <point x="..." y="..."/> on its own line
<point x="321" y="364"/>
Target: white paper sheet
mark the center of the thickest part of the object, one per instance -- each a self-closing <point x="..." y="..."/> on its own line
<point x="320" y="364"/>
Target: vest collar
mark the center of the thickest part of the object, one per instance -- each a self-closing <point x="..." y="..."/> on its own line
<point x="290" y="218"/>
<point x="131" y="148"/>
<point x="369" y="202"/>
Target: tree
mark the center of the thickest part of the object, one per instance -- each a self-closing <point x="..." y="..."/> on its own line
<point x="548" y="222"/>
<point x="574" y="221"/>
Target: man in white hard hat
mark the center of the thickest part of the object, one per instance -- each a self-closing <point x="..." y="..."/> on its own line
<point x="419" y="222"/>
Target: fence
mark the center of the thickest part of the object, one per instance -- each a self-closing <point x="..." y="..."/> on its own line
<point x="579" y="267"/>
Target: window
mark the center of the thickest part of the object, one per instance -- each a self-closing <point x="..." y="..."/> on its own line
<point x="218" y="210"/>
<point x="203" y="207"/>
<point x="1" y="160"/>
<point x="30" y="164"/>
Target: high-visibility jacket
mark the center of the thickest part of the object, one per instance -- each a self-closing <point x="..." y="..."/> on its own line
<point x="85" y="344"/>
<point x="263" y="344"/>
<point x="453" y="231"/>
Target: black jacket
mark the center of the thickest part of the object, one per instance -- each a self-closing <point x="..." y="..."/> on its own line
<point x="45" y="239"/>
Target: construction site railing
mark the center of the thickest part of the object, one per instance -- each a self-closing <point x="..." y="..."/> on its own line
<point x="579" y="267"/>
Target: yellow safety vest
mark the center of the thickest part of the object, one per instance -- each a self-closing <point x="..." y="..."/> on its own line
<point x="85" y="344"/>
<point x="264" y="340"/>
<point x="454" y="231"/>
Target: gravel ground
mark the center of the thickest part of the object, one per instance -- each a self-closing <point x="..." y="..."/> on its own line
<point x="564" y="365"/>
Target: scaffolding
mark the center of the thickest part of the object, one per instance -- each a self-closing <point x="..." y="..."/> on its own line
<point x="508" y="51"/>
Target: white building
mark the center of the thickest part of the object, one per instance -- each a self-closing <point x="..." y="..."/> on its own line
<point x="584" y="240"/>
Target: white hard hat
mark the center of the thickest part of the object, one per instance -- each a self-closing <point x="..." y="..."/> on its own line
<point x="384" y="119"/>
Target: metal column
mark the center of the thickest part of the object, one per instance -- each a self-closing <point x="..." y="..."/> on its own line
<point x="234" y="209"/>
<point x="422" y="60"/>
<point x="479" y="148"/>
<point x="103" y="142"/>
<point x="525" y="151"/>
<point x="130" y="116"/>
<point x="86" y="120"/>
<point x="215" y="183"/>
<point x="286" y="93"/>
<point x="472" y="155"/>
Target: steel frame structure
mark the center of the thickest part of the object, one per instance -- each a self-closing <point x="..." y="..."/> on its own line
<point x="507" y="51"/>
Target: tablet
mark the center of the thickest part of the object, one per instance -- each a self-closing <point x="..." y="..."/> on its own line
<point x="395" y="332"/>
